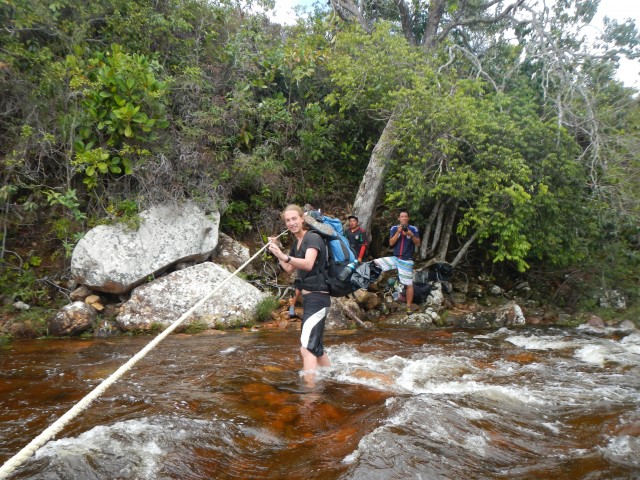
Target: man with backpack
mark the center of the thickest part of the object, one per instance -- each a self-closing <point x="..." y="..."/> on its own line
<point x="404" y="239"/>
<point x="307" y="257"/>
<point x="357" y="237"/>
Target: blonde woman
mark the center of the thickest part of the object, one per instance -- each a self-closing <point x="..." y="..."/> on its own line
<point x="307" y="257"/>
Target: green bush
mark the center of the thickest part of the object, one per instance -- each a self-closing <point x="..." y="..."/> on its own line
<point x="124" y="105"/>
<point x="196" y="326"/>
<point x="265" y="307"/>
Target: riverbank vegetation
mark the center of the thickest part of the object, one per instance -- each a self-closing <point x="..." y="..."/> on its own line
<point x="509" y="140"/>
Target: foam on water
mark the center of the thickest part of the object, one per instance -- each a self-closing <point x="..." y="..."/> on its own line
<point x="624" y="352"/>
<point x="594" y="354"/>
<point x="136" y="448"/>
<point x="442" y="391"/>
<point x="631" y="343"/>
<point x="421" y="375"/>
<point x="498" y="333"/>
<point x="533" y="342"/>
<point x="476" y="444"/>
<point x="624" y="450"/>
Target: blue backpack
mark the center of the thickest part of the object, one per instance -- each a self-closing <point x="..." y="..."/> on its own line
<point x="340" y="256"/>
<point x="339" y="245"/>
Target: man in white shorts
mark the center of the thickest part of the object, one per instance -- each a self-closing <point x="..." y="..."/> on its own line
<point x="404" y="239"/>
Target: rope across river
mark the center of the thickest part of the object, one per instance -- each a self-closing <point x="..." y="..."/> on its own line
<point x="20" y="457"/>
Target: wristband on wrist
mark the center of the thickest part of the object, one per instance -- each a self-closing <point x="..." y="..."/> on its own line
<point x="288" y="260"/>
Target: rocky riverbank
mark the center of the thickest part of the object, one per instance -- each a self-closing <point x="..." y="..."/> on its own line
<point x="132" y="281"/>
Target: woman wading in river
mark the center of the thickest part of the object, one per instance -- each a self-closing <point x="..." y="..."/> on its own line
<point x="308" y="256"/>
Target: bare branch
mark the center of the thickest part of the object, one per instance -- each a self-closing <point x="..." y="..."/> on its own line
<point x="347" y="10"/>
<point x="461" y="20"/>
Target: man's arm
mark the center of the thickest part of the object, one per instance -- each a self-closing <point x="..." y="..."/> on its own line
<point x="415" y="238"/>
<point x="363" y="246"/>
<point x="395" y="235"/>
<point x="307" y="262"/>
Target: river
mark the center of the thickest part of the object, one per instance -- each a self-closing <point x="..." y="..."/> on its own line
<point x="396" y="404"/>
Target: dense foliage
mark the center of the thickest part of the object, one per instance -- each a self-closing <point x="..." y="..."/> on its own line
<point x="109" y="106"/>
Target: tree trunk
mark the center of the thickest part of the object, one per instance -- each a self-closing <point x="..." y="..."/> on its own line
<point x="441" y="256"/>
<point x="347" y="9"/>
<point x="434" y="16"/>
<point x="436" y="234"/>
<point x="373" y="180"/>
<point x="407" y="22"/>
<point x="424" y="246"/>
<point x="464" y="249"/>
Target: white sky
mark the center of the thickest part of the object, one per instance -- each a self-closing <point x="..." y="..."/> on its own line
<point x="284" y="13"/>
<point x="628" y="73"/>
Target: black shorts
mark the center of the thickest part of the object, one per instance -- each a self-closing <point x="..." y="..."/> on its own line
<point x="316" y="308"/>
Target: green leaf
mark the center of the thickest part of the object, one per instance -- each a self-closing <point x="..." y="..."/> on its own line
<point x="140" y="117"/>
<point x="127" y="166"/>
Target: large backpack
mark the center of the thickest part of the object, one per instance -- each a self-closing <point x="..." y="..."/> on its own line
<point x="339" y="253"/>
<point x="438" y="272"/>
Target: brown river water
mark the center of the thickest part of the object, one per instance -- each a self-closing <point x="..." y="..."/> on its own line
<point x="396" y="404"/>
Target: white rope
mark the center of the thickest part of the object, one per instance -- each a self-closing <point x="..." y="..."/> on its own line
<point x="15" y="461"/>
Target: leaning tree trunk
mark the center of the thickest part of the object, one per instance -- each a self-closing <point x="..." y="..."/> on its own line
<point x="441" y="255"/>
<point x="373" y="180"/>
<point x="465" y="247"/>
<point x="436" y="233"/>
<point x="424" y="246"/>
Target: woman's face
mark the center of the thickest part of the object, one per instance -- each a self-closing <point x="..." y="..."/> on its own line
<point x="293" y="220"/>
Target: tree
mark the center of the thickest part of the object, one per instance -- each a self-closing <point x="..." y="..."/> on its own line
<point x="548" y="62"/>
<point x="429" y="30"/>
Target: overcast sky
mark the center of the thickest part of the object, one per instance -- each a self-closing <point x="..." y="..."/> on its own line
<point x="628" y="73"/>
<point x="620" y="10"/>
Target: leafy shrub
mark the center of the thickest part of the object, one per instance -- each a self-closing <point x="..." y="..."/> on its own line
<point x="265" y="307"/>
<point x="124" y="106"/>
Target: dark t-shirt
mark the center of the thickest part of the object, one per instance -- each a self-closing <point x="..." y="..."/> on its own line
<point x="310" y="240"/>
<point x="356" y="239"/>
<point x="404" y="247"/>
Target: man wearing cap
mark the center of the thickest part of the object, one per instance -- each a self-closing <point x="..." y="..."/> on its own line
<point x="357" y="238"/>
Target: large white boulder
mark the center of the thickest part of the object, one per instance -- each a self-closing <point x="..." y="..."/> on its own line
<point x="115" y="259"/>
<point x="168" y="298"/>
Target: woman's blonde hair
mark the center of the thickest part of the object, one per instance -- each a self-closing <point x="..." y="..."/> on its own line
<point x="295" y="208"/>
